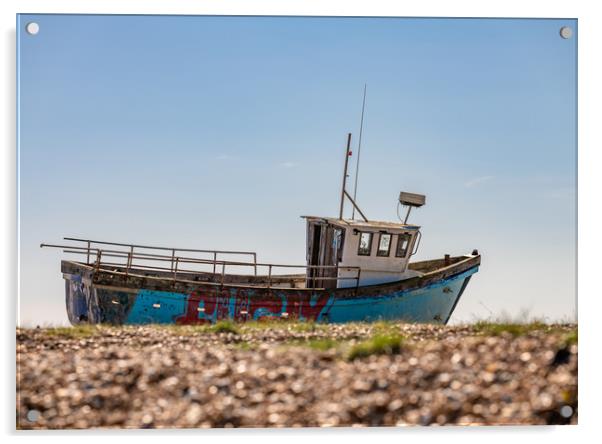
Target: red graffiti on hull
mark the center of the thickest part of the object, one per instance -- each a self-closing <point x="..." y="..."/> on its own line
<point x="306" y="306"/>
<point x="215" y="306"/>
<point x="191" y="315"/>
<point x="309" y="311"/>
<point x="259" y="305"/>
<point x="265" y="306"/>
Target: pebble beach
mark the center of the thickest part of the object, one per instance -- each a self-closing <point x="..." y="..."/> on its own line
<point x="296" y="375"/>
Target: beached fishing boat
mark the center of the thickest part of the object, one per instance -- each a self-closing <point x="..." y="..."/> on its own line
<point x="356" y="270"/>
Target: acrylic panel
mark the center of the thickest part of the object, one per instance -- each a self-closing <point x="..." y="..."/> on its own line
<point x="167" y="280"/>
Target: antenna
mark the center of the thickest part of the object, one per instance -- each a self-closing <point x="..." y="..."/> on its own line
<point x="344" y="193"/>
<point x="359" y="148"/>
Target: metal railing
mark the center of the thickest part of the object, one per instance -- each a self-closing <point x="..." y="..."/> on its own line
<point x="416" y="242"/>
<point x="132" y="248"/>
<point x="133" y="261"/>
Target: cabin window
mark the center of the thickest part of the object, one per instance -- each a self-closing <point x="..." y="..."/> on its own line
<point x="384" y="245"/>
<point x="403" y="242"/>
<point x="365" y="244"/>
<point x="339" y="239"/>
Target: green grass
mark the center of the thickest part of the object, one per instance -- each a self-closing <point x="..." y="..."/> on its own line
<point x="512" y="328"/>
<point x="74" y="332"/>
<point x="260" y="325"/>
<point x="379" y="344"/>
<point x="307" y="327"/>
<point x="229" y="326"/>
<point x="245" y="346"/>
<point x="571" y="338"/>
<point x="224" y="327"/>
<point x="184" y="330"/>
<point x="294" y="326"/>
<point x="385" y="328"/>
<point x="322" y="344"/>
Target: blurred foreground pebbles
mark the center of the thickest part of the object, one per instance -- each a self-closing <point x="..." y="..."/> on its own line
<point x="296" y="375"/>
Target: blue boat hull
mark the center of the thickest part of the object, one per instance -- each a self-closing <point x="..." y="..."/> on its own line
<point x="431" y="299"/>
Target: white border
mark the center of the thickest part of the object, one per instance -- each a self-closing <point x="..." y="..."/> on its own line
<point x="589" y="31"/>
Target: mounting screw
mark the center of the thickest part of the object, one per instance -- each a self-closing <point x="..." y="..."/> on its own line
<point x="566" y="32"/>
<point x="32" y="28"/>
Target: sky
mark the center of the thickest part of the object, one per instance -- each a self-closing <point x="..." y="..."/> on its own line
<point x="219" y="132"/>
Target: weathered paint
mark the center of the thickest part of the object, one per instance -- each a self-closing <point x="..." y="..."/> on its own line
<point x="87" y="302"/>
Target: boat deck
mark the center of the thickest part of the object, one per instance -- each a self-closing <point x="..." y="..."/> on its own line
<point x="128" y="265"/>
<point x="292" y="281"/>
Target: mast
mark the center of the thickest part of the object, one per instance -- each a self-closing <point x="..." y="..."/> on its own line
<point x="343" y="192"/>
<point x="359" y="148"/>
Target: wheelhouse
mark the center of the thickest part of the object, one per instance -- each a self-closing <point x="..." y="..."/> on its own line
<point x="345" y="252"/>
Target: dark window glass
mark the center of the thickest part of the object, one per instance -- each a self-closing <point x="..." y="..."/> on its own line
<point x="403" y="242"/>
<point x="365" y="244"/>
<point x="384" y="245"/>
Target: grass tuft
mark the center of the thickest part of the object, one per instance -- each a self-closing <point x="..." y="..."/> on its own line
<point x="306" y="327"/>
<point x="229" y="326"/>
<point x="245" y="346"/>
<point x="387" y="344"/>
<point x="184" y="330"/>
<point x="512" y="328"/>
<point x="571" y="338"/>
<point x="282" y="324"/>
<point x="322" y="344"/>
<point x="74" y="332"/>
<point x="224" y="327"/>
<point x="385" y="328"/>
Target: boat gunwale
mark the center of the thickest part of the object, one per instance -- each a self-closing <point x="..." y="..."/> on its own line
<point x="459" y="265"/>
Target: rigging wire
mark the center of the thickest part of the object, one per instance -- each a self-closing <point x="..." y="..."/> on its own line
<point x="398" y="216"/>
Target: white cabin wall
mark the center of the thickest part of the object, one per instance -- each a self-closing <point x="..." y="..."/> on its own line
<point x="375" y="269"/>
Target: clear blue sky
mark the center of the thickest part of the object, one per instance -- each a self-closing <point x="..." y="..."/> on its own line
<point x="218" y="132"/>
